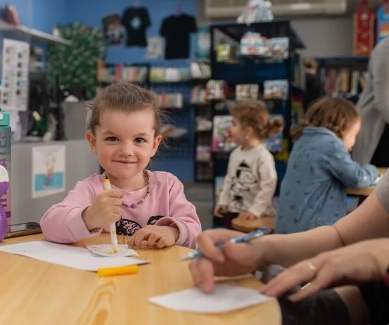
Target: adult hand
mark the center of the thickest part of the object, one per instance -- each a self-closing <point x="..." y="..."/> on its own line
<point x="357" y="263"/>
<point x="153" y="236"/>
<point x="234" y="259"/>
<point x="105" y="209"/>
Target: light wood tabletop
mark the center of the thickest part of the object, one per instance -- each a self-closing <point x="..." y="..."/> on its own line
<point x="365" y="191"/>
<point x="253" y="224"/>
<point x="36" y="292"/>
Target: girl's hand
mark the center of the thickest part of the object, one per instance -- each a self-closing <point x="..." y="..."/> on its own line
<point x="153" y="236"/>
<point x="246" y="216"/>
<point x="105" y="209"/>
<point x="361" y="262"/>
<point x="219" y="210"/>
<point x="234" y="259"/>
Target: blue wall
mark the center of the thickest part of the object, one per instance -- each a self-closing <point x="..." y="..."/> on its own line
<point x="90" y="12"/>
<point x="45" y="14"/>
<point x="39" y="14"/>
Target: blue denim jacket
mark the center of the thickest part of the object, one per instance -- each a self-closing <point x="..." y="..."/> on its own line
<point x="313" y="191"/>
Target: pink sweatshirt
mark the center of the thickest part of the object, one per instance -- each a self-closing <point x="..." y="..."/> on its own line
<point x="165" y="205"/>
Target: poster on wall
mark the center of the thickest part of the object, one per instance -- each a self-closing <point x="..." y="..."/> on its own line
<point x="48" y="170"/>
<point x="14" y="81"/>
<point x="155" y="47"/>
<point x="113" y="29"/>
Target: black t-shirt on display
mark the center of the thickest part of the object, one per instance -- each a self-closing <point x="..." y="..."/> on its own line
<point x="135" y="20"/>
<point x="176" y="30"/>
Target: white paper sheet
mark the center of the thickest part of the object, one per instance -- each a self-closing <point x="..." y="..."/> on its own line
<point x="106" y="250"/>
<point x="66" y="255"/>
<point x="224" y="298"/>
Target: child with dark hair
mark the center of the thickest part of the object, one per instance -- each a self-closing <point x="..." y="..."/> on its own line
<point x="124" y="133"/>
<point x="251" y="177"/>
<point x="320" y="168"/>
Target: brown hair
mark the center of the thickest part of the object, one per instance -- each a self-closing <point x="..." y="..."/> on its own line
<point x="254" y="114"/>
<point x="310" y="63"/>
<point x="335" y="114"/>
<point x="126" y="97"/>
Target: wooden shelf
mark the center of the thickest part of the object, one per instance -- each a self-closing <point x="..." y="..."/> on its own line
<point x="6" y="27"/>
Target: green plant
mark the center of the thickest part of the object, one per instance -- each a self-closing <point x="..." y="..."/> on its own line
<point x="76" y="65"/>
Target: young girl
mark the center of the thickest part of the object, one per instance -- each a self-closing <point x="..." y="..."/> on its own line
<point x="124" y="133"/>
<point x="251" y="176"/>
<point x="313" y="191"/>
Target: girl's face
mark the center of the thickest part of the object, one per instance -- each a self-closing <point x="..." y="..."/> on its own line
<point x="350" y="135"/>
<point x="124" y="144"/>
<point x="237" y="131"/>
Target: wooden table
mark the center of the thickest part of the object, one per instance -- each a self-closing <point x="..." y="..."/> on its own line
<point x="35" y="292"/>
<point x="253" y="224"/>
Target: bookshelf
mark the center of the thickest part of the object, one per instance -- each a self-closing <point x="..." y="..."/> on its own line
<point x="265" y="70"/>
<point x="343" y="76"/>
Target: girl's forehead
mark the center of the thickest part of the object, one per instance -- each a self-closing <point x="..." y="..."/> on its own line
<point x="120" y="121"/>
<point x="113" y="113"/>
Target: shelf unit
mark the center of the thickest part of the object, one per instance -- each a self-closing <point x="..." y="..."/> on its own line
<point x="254" y="70"/>
<point x="343" y="76"/>
<point x="203" y="137"/>
<point x="33" y="33"/>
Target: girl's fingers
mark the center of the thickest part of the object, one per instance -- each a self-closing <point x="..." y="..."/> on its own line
<point x="161" y="243"/>
<point x="152" y="240"/>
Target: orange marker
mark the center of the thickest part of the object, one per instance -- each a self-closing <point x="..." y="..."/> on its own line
<point x="118" y="270"/>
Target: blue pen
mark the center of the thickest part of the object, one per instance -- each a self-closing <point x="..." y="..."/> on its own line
<point x="242" y="239"/>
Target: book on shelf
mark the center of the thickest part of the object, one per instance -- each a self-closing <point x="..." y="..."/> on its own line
<point x="221" y="136"/>
<point x="275" y="89"/>
<point x="203" y="153"/>
<point x="246" y="91"/>
<point x="274" y="141"/>
<point x="218" y="182"/>
<point x="343" y="81"/>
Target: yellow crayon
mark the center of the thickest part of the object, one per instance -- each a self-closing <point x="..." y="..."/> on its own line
<point x="118" y="270"/>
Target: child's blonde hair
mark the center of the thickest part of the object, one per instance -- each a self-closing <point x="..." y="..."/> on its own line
<point x="335" y="114"/>
<point x="126" y="97"/>
<point x="254" y="114"/>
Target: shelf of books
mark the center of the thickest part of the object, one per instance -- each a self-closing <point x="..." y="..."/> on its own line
<point x="254" y="61"/>
<point x="343" y="76"/>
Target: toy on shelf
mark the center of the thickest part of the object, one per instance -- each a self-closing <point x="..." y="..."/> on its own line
<point x="256" y="11"/>
<point x="275" y="89"/>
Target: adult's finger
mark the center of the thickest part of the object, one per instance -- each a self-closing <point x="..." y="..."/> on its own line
<point x="202" y="274"/>
<point x="302" y="272"/>
<point x="209" y="239"/>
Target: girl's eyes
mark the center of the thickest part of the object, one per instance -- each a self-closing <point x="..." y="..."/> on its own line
<point x="116" y="139"/>
<point x="111" y="139"/>
<point x="140" y="140"/>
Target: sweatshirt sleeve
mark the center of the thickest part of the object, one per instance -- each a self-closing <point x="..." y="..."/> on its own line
<point x="224" y="196"/>
<point x="348" y="171"/>
<point x="380" y="71"/>
<point x="267" y="183"/>
<point x="182" y="214"/>
<point x="63" y="222"/>
<point x="382" y="190"/>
